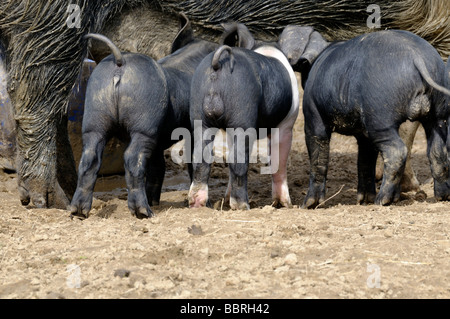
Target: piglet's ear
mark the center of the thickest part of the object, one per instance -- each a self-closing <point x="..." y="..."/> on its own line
<point x="229" y="36"/>
<point x="301" y="44"/>
<point x="315" y="46"/>
<point x="237" y="35"/>
<point x="246" y="39"/>
<point x="185" y="34"/>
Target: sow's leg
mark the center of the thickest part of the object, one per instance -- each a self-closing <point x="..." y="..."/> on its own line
<point x="39" y="94"/>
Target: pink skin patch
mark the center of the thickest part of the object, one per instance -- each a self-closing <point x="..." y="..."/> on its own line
<point x="198" y="198"/>
<point x="280" y="189"/>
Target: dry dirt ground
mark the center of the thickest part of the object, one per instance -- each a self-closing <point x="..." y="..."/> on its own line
<point x="339" y="250"/>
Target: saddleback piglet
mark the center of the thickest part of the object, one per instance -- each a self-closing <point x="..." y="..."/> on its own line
<point x="141" y="101"/>
<point x="367" y="87"/>
<point x="243" y="89"/>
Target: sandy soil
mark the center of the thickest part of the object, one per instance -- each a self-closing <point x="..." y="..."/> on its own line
<point x="339" y="250"/>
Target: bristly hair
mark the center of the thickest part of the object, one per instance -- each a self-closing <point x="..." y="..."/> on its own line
<point x="44" y="57"/>
<point x="335" y="19"/>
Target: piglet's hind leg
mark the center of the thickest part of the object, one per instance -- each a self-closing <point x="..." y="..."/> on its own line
<point x="135" y="158"/>
<point x="394" y="154"/>
<point x="367" y="158"/>
<point x="155" y="177"/>
<point x="201" y="166"/>
<point x="280" y="145"/>
<point x="94" y="144"/>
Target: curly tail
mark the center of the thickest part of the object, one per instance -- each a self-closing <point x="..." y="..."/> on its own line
<point x="420" y="65"/>
<point x="115" y="50"/>
<point x="215" y="61"/>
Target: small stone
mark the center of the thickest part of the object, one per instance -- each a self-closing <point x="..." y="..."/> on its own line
<point x="233" y="281"/>
<point x="195" y="230"/>
<point x="136" y="280"/>
<point x="290" y="259"/>
<point x="35" y="281"/>
<point x="388" y="233"/>
<point x="122" y="273"/>
<point x="274" y="254"/>
<point x="137" y="246"/>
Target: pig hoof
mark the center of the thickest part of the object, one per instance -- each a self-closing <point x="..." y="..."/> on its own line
<point x="312" y="202"/>
<point x="241" y="206"/>
<point x="441" y="191"/>
<point x="76" y="211"/>
<point x="314" y="197"/>
<point x="236" y="204"/>
<point x="198" y="204"/>
<point x="383" y="201"/>
<point x="365" y="198"/>
<point x="154" y="203"/>
<point x="442" y="198"/>
<point x="199" y="200"/>
<point x="277" y="203"/>
<point x="386" y="200"/>
<point x="142" y="212"/>
<point x="198" y="196"/>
